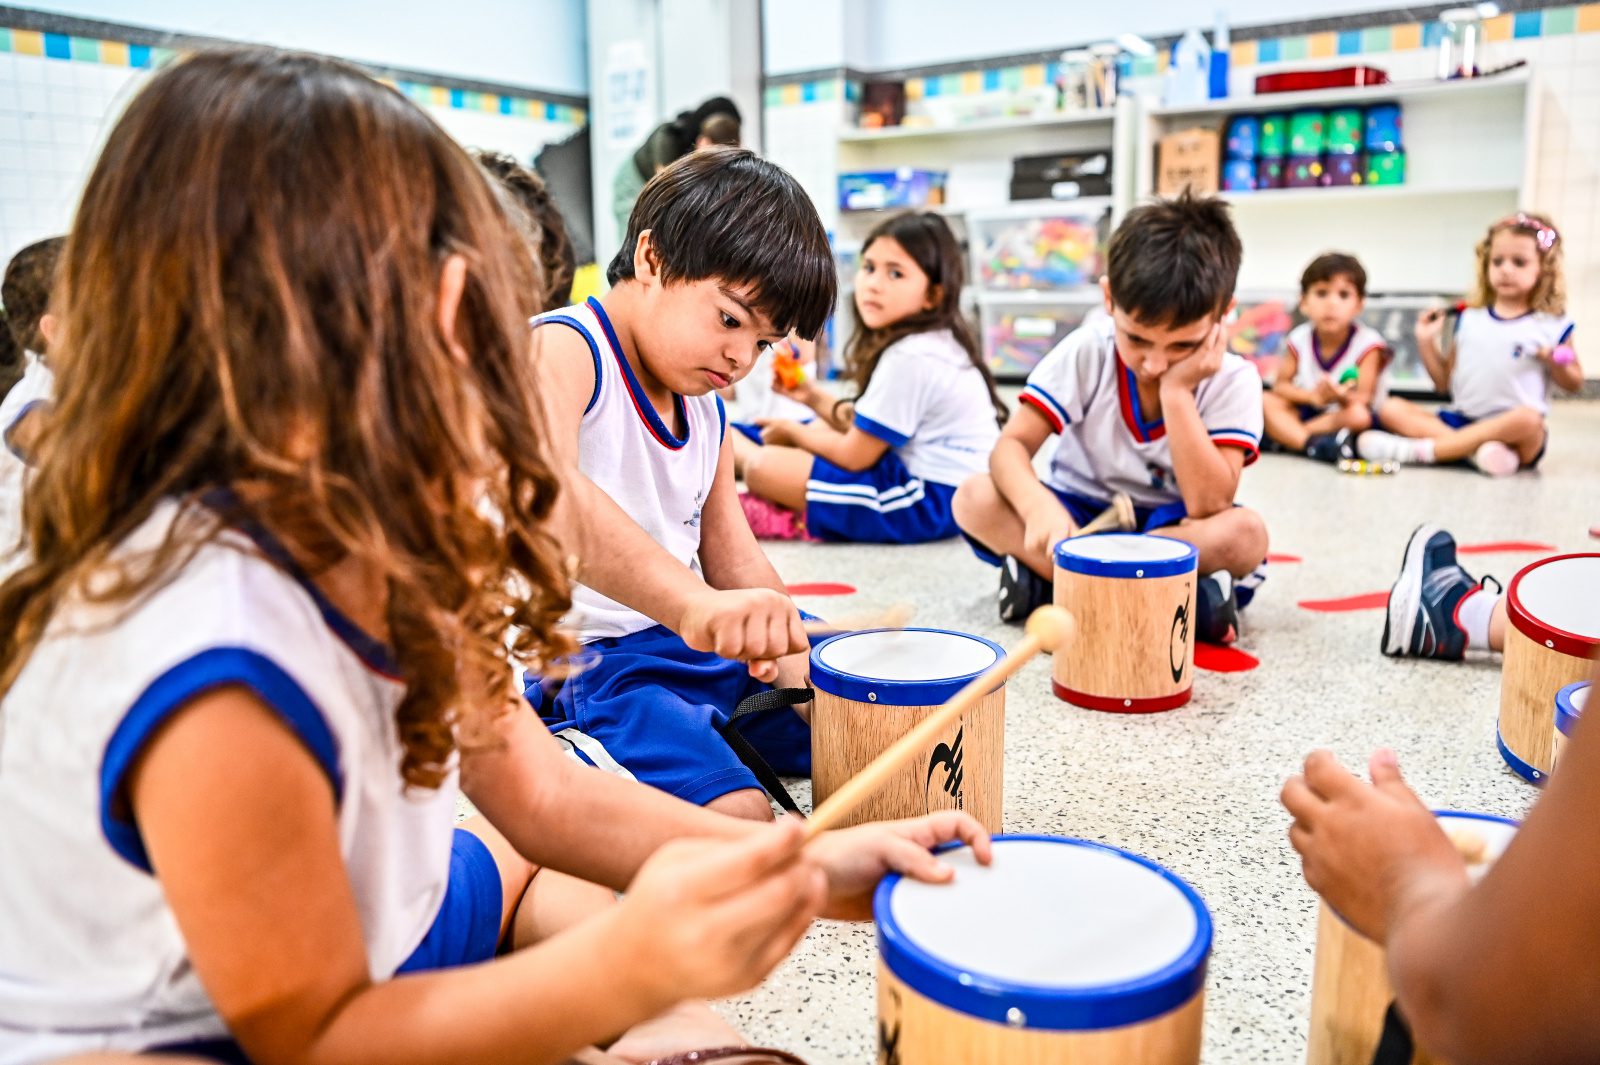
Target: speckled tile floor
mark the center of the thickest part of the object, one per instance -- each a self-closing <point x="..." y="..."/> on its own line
<point x="1196" y="789"/>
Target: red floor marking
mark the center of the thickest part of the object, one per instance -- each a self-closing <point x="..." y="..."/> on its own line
<point x="1214" y="659"/>
<point x="1370" y="601"/>
<point x="1505" y="546"/>
<point x="820" y="589"/>
<point x="1284" y="558"/>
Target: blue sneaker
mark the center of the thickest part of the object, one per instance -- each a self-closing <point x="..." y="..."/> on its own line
<point x="1022" y="591"/>
<point x="1422" y="603"/>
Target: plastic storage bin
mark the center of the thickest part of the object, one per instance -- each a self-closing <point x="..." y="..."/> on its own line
<point x="1052" y="249"/>
<point x="1018" y="333"/>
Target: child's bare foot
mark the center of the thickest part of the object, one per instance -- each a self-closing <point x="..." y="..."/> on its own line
<point x="686" y="1026"/>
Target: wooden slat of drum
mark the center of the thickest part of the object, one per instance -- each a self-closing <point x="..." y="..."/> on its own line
<point x="1350" y="994"/>
<point x="1530" y="677"/>
<point x="1128" y="634"/>
<point x="846" y="736"/>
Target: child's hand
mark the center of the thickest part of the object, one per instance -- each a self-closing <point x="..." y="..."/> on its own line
<point x="1327" y="392"/>
<point x="1187" y="373"/>
<point x="855" y="859"/>
<point x="755" y="625"/>
<point x="1367" y="849"/>
<point x="1430" y="326"/>
<point x="1044" y="527"/>
<point x="708" y="918"/>
<point x="783" y="432"/>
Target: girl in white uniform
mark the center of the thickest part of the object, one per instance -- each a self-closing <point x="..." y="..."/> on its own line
<point x="1513" y="342"/>
<point x="291" y="522"/>
<point x="926" y="414"/>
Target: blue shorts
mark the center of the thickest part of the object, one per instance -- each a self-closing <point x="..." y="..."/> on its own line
<point x="650" y="707"/>
<point x="882" y="504"/>
<point x="1456" y="420"/>
<point x="752" y="431"/>
<point x="1085" y="509"/>
<point x="465" y="931"/>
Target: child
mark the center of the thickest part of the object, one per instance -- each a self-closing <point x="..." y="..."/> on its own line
<point x="1332" y="370"/>
<point x="1512" y="341"/>
<point x="1148" y="402"/>
<point x="1504" y="971"/>
<point x="294" y="507"/>
<point x="26" y="292"/>
<point x="926" y="413"/>
<point x="724" y="256"/>
<point x="547" y="232"/>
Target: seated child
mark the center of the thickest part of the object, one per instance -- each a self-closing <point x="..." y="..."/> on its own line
<point x="1149" y="403"/>
<point x="294" y="513"/>
<point x="546" y="230"/>
<point x="1436" y="608"/>
<point x="29" y="278"/>
<point x="1512" y="341"/>
<point x="1332" y="371"/>
<point x="926" y="414"/>
<point x="724" y="256"/>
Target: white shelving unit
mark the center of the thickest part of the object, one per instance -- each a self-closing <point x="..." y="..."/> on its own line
<point x="1049" y="120"/>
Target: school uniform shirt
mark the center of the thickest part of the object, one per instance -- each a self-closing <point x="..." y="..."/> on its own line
<point x="32" y="390"/>
<point x="1107" y="443"/>
<point x="659" y="479"/>
<point x="1311" y="362"/>
<point x="91" y="957"/>
<point x="1496" y="367"/>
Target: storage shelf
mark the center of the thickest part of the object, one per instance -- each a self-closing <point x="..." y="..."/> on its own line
<point x="1400" y="91"/>
<point x="1366" y="193"/>
<point x="1044" y="297"/>
<point x="985" y="125"/>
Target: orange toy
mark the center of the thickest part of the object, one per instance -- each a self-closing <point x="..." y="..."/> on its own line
<point x="788" y="368"/>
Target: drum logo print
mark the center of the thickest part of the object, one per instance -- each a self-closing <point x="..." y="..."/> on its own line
<point x="889" y="1039"/>
<point x="946" y="757"/>
<point x="1178" y="651"/>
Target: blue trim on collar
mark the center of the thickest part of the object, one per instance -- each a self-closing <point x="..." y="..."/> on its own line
<point x="594" y="349"/>
<point x="217" y="667"/>
<point x="1144" y="430"/>
<point x="1514" y="318"/>
<point x="881" y="431"/>
<point x="641" y="402"/>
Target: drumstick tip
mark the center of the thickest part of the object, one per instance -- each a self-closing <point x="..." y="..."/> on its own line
<point x="1052" y="626"/>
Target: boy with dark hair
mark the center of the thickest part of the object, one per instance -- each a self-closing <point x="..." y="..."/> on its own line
<point x="724" y="256"/>
<point x="1148" y="402"/>
<point x="25" y="293"/>
<point x="546" y="229"/>
<point x="1332" y="372"/>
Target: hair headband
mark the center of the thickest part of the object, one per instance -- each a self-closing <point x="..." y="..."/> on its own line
<point x="1544" y="235"/>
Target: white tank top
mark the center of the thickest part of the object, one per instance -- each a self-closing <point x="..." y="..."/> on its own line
<point x="90" y="956"/>
<point x="659" y="480"/>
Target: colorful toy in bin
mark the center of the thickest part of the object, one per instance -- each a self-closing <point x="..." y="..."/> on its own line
<point x="1239" y="175"/>
<point x="1259" y="333"/>
<point x="1015" y="342"/>
<point x="1386" y="168"/>
<point x="1049" y="252"/>
<point x="1273" y="140"/>
<point x="1244" y="136"/>
<point x="1271" y="174"/>
<point x="1304" y="172"/>
<point x="1383" y="128"/>
<point x="1346" y="131"/>
<point x="1308" y="133"/>
<point x="1345" y="169"/>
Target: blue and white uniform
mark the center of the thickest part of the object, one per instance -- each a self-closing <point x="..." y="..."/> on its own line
<point x="31" y="392"/>
<point x="646" y="706"/>
<point x="931" y="405"/>
<point x="1311" y="362"/>
<point x="1496" y="368"/>
<point x="91" y="957"/>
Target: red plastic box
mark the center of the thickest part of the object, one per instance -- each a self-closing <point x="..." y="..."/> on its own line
<point x="1305" y="80"/>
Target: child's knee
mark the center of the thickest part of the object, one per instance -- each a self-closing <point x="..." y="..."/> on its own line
<point x="1247" y="541"/>
<point x="1524" y="425"/>
<point x="975" y="497"/>
<point x="748" y="803"/>
<point x="1357" y="418"/>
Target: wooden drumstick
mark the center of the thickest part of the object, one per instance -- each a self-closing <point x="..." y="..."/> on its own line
<point x="895" y="617"/>
<point x="1049" y="629"/>
<point x="1118" y="516"/>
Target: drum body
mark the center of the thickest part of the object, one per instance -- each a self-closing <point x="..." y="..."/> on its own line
<point x="1062" y="952"/>
<point x="1570" y="702"/>
<point x="876" y="685"/>
<point x="1134" y="598"/>
<point x="1350" y="991"/>
<point x="1553" y="632"/>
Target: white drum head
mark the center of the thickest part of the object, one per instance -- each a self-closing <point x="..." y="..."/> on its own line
<point x="1124" y="547"/>
<point x="1496" y="835"/>
<point x="1564" y="594"/>
<point x="907" y="655"/>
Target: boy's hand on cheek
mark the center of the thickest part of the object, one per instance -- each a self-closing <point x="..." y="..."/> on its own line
<point x="1187" y="373"/>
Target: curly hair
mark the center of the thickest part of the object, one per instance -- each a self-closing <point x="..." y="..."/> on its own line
<point x="1550" y="291"/>
<point x="251" y="300"/>
<point x="546" y="229"/>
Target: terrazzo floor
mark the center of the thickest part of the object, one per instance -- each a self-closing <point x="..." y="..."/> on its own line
<point x="1196" y="789"/>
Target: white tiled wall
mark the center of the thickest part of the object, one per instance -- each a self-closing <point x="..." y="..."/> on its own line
<point x="55" y="114"/>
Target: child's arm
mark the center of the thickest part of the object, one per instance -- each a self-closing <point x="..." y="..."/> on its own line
<point x="1045" y="521"/>
<point x="852" y="449"/>
<point x="1283" y="382"/>
<point x="1428" y="331"/>
<point x="239" y="820"/>
<point x="1566" y="373"/>
<point x="1208" y="475"/>
<point x="1369" y="369"/>
<point x="620" y="560"/>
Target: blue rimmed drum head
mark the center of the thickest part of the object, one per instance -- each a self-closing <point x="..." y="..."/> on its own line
<point x="1126" y="555"/>
<point x="900" y="667"/>
<point x="1570" y="702"/>
<point x="1058" y="934"/>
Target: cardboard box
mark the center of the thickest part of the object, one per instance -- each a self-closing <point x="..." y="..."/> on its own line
<point x="1189" y="158"/>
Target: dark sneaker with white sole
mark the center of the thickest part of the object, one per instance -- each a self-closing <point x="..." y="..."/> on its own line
<point x="1331" y="447"/>
<point x="1216" y="612"/>
<point x="1423" y="601"/>
<point x="1022" y="591"/>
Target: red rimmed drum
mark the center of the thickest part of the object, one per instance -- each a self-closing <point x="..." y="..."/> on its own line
<point x="1553" y="610"/>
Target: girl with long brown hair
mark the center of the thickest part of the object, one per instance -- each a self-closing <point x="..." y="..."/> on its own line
<point x="288" y="549"/>
<point x="926" y="413"/>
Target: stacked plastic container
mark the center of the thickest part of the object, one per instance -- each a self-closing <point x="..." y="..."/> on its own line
<point x="1314" y="147"/>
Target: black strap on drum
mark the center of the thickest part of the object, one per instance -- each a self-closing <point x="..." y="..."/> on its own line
<point x="765" y="703"/>
<point x="1395" y="1045"/>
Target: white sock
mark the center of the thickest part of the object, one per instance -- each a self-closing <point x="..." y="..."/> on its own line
<point x="1422" y="452"/>
<point x="1473" y="613"/>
